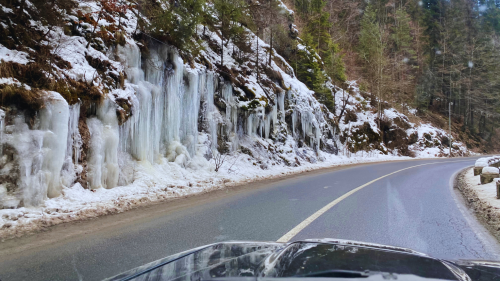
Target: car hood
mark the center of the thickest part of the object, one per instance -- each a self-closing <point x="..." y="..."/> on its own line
<point x="308" y="259"/>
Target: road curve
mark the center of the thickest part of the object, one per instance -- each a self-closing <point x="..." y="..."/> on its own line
<point x="414" y="208"/>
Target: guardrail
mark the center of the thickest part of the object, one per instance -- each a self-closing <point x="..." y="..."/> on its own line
<point x="488" y="169"/>
<point x="493" y="161"/>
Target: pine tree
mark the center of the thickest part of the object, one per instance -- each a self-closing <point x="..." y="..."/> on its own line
<point x="177" y="23"/>
<point x="229" y="13"/>
<point x="372" y="48"/>
<point x="403" y="57"/>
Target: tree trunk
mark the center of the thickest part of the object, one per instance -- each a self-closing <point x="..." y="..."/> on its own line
<point x="95" y="26"/>
<point x="222" y="42"/>
<point x="271" y="47"/>
<point x="257" y="61"/>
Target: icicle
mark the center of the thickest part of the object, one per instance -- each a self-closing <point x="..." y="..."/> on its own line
<point x="190" y="110"/>
<point x="73" y="148"/>
<point x="249" y="124"/>
<point x="260" y="119"/>
<point x="274" y="116"/>
<point x="281" y="104"/>
<point x="54" y="120"/>
<point x="267" y="124"/>
<point x="174" y="90"/>
<point x="95" y="157"/>
<point x="231" y="115"/>
<point x="2" y="129"/>
<point x="165" y="116"/>
<point x="28" y="144"/>
<point x="103" y="159"/>
<point x="211" y="112"/>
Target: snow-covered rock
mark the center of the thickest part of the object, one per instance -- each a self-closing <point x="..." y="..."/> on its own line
<point x="490" y="171"/>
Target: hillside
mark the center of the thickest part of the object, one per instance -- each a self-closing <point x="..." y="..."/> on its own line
<point x="102" y="110"/>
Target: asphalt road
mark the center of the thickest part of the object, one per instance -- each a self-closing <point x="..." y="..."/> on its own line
<point x="415" y="208"/>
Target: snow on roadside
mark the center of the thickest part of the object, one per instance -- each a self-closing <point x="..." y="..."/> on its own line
<point x="485" y="192"/>
<point x="482" y="198"/>
<point x="77" y="203"/>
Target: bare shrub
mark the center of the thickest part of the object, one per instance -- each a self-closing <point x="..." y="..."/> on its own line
<point x="219" y="160"/>
<point x="350" y="116"/>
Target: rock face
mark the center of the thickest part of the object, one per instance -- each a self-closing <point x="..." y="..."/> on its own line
<point x="488" y="174"/>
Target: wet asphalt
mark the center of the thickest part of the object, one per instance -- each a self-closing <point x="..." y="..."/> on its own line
<point x="416" y="208"/>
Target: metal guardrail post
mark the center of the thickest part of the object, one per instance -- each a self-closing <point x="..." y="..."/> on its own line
<point x="498" y="189"/>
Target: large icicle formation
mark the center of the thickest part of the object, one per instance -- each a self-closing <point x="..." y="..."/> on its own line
<point x="37" y="155"/>
<point x="172" y="104"/>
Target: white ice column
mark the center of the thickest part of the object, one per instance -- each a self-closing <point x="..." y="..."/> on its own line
<point x="54" y="119"/>
<point x="103" y="159"/>
<point x="2" y="129"/>
<point x="231" y="115"/>
<point x="211" y="113"/>
<point x="174" y="88"/>
<point x="190" y="110"/>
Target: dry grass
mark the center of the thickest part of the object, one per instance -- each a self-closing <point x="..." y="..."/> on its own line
<point x="31" y="100"/>
<point x="32" y="75"/>
<point x="414" y="119"/>
<point x="350" y="116"/>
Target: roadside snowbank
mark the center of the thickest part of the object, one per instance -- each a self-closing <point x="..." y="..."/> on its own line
<point x="482" y="199"/>
<point x="485" y="192"/>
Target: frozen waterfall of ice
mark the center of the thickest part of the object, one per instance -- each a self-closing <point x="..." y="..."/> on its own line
<point x="102" y="162"/>
<point x="173" y="118"/>
<point x="40" y="152"/>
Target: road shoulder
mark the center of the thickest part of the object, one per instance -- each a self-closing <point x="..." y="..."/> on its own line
<point x="479" y="202"/>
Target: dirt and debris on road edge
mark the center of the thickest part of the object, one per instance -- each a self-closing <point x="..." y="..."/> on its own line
<point x="488" y="215"/>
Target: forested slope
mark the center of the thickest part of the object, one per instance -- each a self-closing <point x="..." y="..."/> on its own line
<point x="423" y="54"/>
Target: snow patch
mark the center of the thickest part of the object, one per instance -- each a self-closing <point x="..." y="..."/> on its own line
<point x="8" y="55"/>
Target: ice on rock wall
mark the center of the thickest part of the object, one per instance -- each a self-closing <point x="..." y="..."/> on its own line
<point x="54" y="119"/>
<point x="39" y="152"/>
<point x="28" y="145"/>
<point x="166" y="108"/>
<point x="157" y="135"/>
<point x="74" y="145"/>
<point x="103" y="169"/>
<point x="73" y="148"/>
<point x="231" y="121"/>
<point x="140" y="135"/>
<point x="210" y="114"/>
<point x="173" y="119"/>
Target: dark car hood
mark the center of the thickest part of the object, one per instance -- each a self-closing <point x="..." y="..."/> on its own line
<point x="308" y="259"/>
